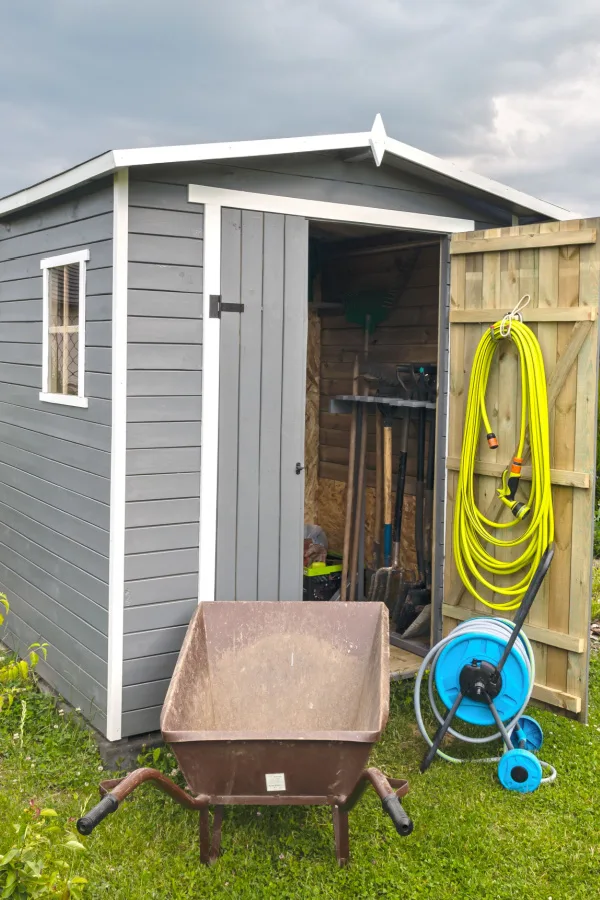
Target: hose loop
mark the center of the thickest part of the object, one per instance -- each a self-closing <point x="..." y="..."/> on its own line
<point x="515" y="315"/>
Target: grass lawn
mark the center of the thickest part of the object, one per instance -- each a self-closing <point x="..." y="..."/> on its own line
<point x="471" y="838"/>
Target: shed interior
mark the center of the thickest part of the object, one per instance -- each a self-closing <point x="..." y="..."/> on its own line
<point x="346" y="262"/>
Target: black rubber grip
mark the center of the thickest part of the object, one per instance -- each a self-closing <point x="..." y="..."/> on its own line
<point x="87" y="823"/>
<point x="395" y="811"/>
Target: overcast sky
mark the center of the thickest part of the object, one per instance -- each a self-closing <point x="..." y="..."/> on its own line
<point x="509" y="88"/>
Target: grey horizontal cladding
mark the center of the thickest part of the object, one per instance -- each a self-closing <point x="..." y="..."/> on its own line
<point x="163" y="460"/>
<point x="98" y="411"/>
<point x="64" y="620"/>
<point x="157" y="383"/>
<point x="70" y="526"/>
<point x="69" y="453"/>
<point x="52" y="241"/>
<point x="98" y="334"/>
<point x="45" y="628"/>
<point x="98" y="359"/>
<point x="151" y="643"/>
<point x="168" y="356"/>
<point x="172" y="251"/>
<point x="98" y="282"/>
<point x="68" y="501"/>
<point x="141" y="696"/>
<point x="26" y="375"/>
<point x="29" y="266"/>
<point x="322" y="177"/>
<point x="155" y="565"/>
<point x="160" y="538"/>
<point x="162" y="277"/>
<point x="66" y="549"/>
<point x="69" y="575"/>
<point x="167" y="222"/>
<point x="91" y="200"/>
<point x="163" y="434"/>
<point x="60" y="670"/>
<point x="20" y="311"/>
<point x="161" y="512"/>
<point x="85" y="483"/>
<point x="169" y="304"/>
<point x="141" y="721"/>
<point x="148" y="668"/>
<point x="98" y="308"/>
<point x="159" y="591"/>
<point x="163" y="330"/>
<point x="146" y="193"/>
<point x="166" y="486"/>
<point x="167" y="614"/>
<point x="164" y="409"/>
<point x="57" y="423"/>
<point x="20" y="354"/>
<point x="21" y="332"/>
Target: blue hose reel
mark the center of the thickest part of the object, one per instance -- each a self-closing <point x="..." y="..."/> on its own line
<point x="483" y="673"/>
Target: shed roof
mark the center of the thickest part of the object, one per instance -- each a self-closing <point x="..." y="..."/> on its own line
<point x="375" y="143"/>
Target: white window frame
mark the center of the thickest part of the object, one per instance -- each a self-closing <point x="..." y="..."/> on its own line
<point x="46" y="396"/>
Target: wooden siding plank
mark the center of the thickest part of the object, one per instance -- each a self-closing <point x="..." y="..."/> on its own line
<point x="157" y="565"/>
<point x="533" y="632"/>
<point x="163" y="330"/>
<point x="524" y="241"/>
<point x="170" y="356"/>
<point x="293" y="399"/>
<point x="49" y="242"/>
<point x="231" y="281"/>
<point x="542" y="314"/>
<point x="557" y="476"/>
<point x="153" y="195"/>
<point x="246" y="586"/>
<point x="98" y="411"/>
<point x="93" y="201"/>
<point x="173" y="251"/>
<point x="141" y="721"/>
<point x="29" y="266"/>
<point x="164" y="409"/>
<point x="148" y="668"/>
<point x="169" y="304"/>
<point x="141" y="696"/>
<point x="85" y="483"/>
<point x="166" y="614"/>
<point x="163" y="434"/>
<point x="165" y="222"/>
<point x="155" y="277"/>
<point x="155" y="461"/>
<point x="160" y="538"/>
<point x="270" y="408"/>
<point x="59" y="425"/>
<point x="140" y="644"/>
<point x="149" y="383"/>
<point x="67" y="452"/>
<point x="98" y="334"/>
<point x="167" y="486"/>
<point x="161" y="512"/>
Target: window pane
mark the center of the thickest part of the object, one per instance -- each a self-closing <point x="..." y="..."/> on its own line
<point x="63" y="327"/>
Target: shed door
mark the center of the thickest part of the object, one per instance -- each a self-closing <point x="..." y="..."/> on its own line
<point x="260" y="512"/>
<point x="558" y="264"/>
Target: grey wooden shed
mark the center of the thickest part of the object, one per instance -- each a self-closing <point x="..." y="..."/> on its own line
<point x="150" y="429"/>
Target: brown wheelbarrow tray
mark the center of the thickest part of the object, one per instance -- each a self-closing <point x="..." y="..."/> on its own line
<point x="274" y="704"/>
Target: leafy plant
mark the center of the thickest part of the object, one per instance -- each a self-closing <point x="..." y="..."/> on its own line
<point x="42" y="861"/>
<point x="16" y="674"/>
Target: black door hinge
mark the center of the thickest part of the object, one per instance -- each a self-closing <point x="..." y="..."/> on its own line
<point x="216" y="307"/>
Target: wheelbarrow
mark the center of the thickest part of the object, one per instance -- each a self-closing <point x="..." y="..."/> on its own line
<point x="274" y="704"/>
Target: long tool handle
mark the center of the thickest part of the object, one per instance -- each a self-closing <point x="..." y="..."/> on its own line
<point x="387" y="492"/>
<point x="429" y="480"/>
<point x="358" y="504"/>
<point x="378" y="489"/>
<point x="420" y="495"/>
<point x="400" y="485"/>
<point x="350" y="488"/>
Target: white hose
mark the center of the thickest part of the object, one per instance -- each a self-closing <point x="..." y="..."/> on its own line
<point x="499" y="629"/>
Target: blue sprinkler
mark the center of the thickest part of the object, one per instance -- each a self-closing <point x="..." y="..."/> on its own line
<point x="484" y="673"/>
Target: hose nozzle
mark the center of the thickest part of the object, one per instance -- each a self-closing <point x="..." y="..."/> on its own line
<point x="510" y="485"/>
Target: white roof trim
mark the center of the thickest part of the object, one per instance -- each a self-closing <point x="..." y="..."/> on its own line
<point x="376" y="140"/>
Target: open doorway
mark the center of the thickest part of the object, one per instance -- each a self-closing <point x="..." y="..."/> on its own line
<point x="393" y="278"/>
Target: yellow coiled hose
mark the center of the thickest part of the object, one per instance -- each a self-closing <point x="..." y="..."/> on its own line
<point x="473" y="532"/>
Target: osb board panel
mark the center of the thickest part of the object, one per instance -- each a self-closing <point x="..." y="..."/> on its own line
<point x="555" y="278"/>
<point x="311" y="434"/>
<point x="332" y="511"/>
<point x="403" y="664"/>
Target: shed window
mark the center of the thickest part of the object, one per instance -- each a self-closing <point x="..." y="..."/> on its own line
<point x="63" y="364"/>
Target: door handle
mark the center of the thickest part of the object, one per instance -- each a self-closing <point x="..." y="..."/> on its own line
<point x="299" y="468"/>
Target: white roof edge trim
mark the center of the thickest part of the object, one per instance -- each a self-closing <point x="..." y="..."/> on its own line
<point x="496" y="188"/>
<point x="58" y="184"/>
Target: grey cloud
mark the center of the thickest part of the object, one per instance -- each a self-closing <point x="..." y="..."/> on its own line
<point x="77" y="78"/>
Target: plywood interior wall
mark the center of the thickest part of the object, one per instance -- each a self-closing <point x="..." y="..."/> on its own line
<point x="409" y="334"/>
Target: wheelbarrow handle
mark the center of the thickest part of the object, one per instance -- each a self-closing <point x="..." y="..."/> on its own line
<point x="87" y="823"/>
<point x="392" y="806"/>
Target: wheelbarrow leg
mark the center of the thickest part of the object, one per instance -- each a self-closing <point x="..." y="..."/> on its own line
<point x="210" y="848"/>
<point x="341" y="834"/>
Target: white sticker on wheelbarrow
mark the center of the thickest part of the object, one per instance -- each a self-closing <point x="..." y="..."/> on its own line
<point x="275" y="782"/>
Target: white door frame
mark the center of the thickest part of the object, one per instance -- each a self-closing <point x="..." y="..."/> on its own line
<point x="213" y="200"/>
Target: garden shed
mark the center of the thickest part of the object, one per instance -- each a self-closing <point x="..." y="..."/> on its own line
<point x="169" y="354"/>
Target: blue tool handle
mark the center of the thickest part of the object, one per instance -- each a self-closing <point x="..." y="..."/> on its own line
<point x="387" y="544"/>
